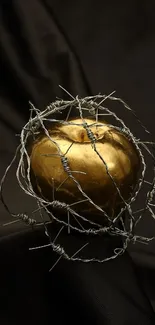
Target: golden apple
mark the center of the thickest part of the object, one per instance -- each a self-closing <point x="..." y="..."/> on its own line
<point x="117" y="150"/>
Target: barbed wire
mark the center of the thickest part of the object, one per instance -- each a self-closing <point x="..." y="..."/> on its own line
<point x="36" y="125"/>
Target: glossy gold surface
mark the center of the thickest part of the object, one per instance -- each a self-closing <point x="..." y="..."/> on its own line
<point x="117" y="150"/>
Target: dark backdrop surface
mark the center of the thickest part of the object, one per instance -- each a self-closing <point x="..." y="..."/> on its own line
<point x="88" y="47"/>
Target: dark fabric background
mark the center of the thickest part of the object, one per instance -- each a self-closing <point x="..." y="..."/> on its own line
<point x="88" y="47"/>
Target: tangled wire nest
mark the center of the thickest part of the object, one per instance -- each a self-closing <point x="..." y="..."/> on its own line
<point x="94" y="107"/>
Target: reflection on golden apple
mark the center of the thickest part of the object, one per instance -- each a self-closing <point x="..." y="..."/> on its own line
<point x="118" y="152"/>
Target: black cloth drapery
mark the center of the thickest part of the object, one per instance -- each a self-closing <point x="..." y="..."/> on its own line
<point x="88" y="47"/>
